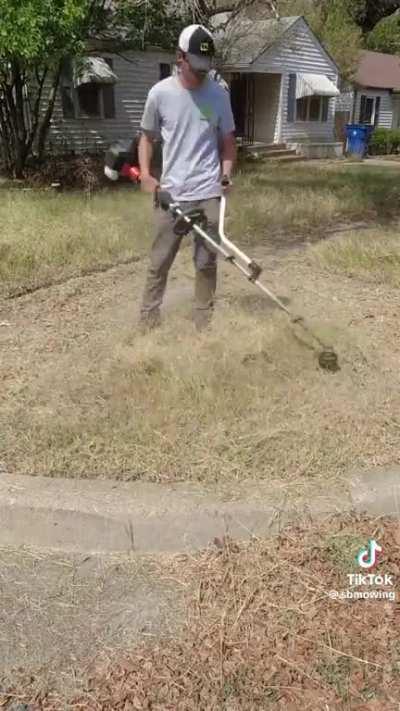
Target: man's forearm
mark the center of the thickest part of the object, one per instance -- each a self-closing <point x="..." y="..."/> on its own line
<point x="145" y="155"/>
<point x="229" y="154"/>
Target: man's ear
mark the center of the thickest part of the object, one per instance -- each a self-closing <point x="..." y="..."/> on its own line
<point x="179" y="56"/>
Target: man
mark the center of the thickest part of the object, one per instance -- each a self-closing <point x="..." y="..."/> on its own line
<point x="193" y="115"/>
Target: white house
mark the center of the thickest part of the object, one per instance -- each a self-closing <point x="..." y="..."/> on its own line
<point x="96" y="107"/>
<point x="374" y="97"/>
<point x="283" y="84"/>
<point x="283" y="87"/>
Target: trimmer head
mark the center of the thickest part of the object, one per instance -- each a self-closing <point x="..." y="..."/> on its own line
<point x="329" y="360"/>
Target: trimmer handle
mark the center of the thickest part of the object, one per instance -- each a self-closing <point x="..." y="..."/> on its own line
<point x="164" y="199"/>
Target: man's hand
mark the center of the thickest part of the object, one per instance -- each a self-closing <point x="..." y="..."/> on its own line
<point x="226" y="184"/>
<point x="149" y="184"/>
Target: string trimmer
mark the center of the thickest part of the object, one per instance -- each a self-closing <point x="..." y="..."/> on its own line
<point x="196" y="221"/>
<point x="122" y="160"/>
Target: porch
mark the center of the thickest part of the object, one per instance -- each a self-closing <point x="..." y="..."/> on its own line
<point x="256" y="107"/>
<point x="284" y="115"/>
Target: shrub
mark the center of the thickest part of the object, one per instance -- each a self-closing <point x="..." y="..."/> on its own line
<point x="379" y="142"/>
<point x="385" y="141"/>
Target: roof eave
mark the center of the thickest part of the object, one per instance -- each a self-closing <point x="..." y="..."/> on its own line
<point x="373" y="87"/>
<point x="235" y="67"/>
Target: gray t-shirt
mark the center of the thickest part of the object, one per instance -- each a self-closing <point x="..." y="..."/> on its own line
<point x="191" y="124"/>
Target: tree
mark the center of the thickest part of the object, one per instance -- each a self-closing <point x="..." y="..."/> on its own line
<point x="35" y="37"/>
<point x="334" y="22"/>
<point x="385" y="37"/>
<point x="373" y="11"/>
<point x="144" y="23"/>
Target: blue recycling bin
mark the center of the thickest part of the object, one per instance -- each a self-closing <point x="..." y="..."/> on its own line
<point x="358" y="137"/>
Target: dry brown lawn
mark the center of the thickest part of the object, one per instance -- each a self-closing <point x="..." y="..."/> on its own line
<point x="84" y="394"/>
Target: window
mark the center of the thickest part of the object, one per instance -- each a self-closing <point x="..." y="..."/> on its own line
<point x="165" y="71"/>
<point x="312" y="108"/>
<point x="370" y="109"/>
<point x="302" y="109"/>
<point x="315" y="108"/>
<point x="91" y="100"/>
<point x="366" y="109"/>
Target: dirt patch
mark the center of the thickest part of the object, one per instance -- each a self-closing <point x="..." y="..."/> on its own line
<point x="57" y="614"/>
<point x="262" y="631"/>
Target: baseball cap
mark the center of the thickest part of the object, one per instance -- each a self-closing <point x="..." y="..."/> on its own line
<point x="198" y="44"/>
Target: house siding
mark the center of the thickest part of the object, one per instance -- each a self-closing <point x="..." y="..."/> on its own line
<point x="345" y="101"/>
<point x="137" y="72"/>
<point x="299" y="52"/>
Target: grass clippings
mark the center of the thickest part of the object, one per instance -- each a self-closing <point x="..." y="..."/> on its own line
<point x="262" y="632"/>
<point x="84" y="395"/>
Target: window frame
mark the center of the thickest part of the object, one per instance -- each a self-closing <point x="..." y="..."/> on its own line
<point x="323" y="109"/>
<point x="376" y="108"/>
<point x="74" y="97"/>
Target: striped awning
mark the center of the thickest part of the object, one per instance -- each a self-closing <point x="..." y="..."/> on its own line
<point x="89" y="70"/>
<point x="315" y="85"/>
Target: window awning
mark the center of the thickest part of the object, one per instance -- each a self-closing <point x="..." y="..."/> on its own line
<point x="88" y="70"/>
<point x="315" y="85"/>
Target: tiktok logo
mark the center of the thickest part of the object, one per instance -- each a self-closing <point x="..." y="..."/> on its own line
<point x="366" y="558"/>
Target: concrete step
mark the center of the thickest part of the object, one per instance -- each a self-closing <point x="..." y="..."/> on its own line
<point x="259" y="147"/>
<point x="287" y="156"/>
<point x="287" y="159"/>
<point x="267" y="147"/>
<point x="279" y="153"/>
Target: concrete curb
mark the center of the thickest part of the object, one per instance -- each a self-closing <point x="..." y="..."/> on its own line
<point x="109" y="517"/>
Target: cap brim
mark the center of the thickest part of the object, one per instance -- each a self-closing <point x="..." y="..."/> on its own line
<point x="201" y="64"/>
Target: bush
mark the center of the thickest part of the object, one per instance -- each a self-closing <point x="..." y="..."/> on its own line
<point x="385" y="141"/>
<point x="81" y="172"/>
<point x="395" y="140"/>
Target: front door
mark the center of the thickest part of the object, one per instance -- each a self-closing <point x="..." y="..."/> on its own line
<point x="242" y="98"/>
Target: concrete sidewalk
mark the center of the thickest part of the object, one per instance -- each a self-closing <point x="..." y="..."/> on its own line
<point x="81" y="516"/>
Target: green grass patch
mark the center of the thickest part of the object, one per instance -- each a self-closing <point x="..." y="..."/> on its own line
<point x="46" y="237"/>
<point x="370" y="254"/>
<point x="310" y="197"/>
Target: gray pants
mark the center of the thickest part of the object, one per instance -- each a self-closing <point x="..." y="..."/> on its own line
<point x="163" y="252"/>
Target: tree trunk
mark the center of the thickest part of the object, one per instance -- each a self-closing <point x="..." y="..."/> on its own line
<point x="48" y="114"/>
<point x="20" y="127"/>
